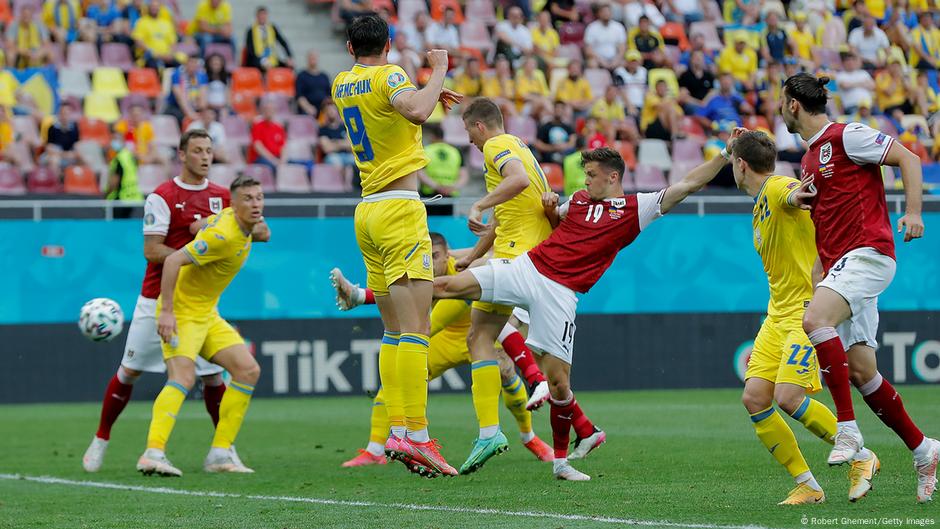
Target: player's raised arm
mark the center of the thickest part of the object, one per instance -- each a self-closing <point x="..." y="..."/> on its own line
<point x="912" y="175"/>
<point x="697" y="178"/>
<point x="417" y="105"/>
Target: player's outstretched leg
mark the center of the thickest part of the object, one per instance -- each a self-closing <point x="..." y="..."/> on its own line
<point x="587" y="436"/>
<point x="348" y="295"/>
<point x="514" y="398"/>
<point x="245" y="373"/>
<point x="116" y="397"/>
<point x="514" y="344"/>
<point x="562" y="414"/>
<point x="374" y="453"/>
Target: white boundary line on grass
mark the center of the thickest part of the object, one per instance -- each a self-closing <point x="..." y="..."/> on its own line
<point x="49" y="480"/>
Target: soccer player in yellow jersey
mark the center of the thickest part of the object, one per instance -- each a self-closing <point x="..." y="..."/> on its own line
<point x="383" y="112"/>
<point x="450" y="323"/>
<point x="189" y="325"/>
<point x="782" y="367"/>
<point x="515" y="184"/>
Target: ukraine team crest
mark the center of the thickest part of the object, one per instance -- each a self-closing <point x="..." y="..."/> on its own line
<point x="215" y="204"/>
<point x="825" y="152"/>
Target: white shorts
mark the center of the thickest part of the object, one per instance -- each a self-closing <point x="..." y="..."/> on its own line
<point x="860" y="277"/>
<point x="551" y="306"/>
<point x="142" y="350"/>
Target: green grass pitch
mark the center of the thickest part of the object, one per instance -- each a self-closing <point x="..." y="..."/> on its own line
<point x="683" y="458"/>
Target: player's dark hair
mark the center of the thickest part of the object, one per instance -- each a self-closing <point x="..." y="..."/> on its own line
<point x="757" y="149"/>
<point x="486" y="111"/>
<point x="809" y="90"/>
<point x="243" y="181"/>
<point x="438" y="240"/>
<point x="367" y="35"/>
<point x="193" y="133"/>
<point x="609" y="160"/>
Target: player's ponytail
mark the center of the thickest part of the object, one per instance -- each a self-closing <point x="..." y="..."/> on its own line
<point x="809" y="90"/>
<point x="823" y="81"/>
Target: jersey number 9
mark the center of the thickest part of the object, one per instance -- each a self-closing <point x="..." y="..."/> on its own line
<point x="357" y="134"/>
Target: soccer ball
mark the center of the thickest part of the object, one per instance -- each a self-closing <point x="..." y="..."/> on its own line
<point x="101" y="320"/>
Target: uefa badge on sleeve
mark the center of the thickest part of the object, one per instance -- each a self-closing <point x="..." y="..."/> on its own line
<point x="395" y="80"/>
<point x="201" y="247"/>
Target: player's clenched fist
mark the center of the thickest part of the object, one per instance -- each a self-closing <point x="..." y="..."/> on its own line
<point x="549" y="200"/>
<point x="437" y="59"/>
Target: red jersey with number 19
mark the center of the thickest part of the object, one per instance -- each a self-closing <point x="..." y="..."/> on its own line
<point x="587" y="240"/>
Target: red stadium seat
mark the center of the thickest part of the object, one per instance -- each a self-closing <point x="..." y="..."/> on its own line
<point x="571" y="33"/>
<point x="627" y="152"/>
<point x="237" y="131"/>
<point x="43" y="180"/>
<point x="80" y="180"/>
<point x="247" y="81"/>
<point x="117" y="55"/>
<point x="244" y="105"/>
<point x="94" y="130"/>
<point x="687" y="150"/>
<point x="82" y="56"/>
<point x="297" y="151"/>
<point x="280" y="81"/>
<point x="555" y="176"/>
<point x="11" y="183"/>
<point x="673" y="34"/>
<point x="222" y="174"/>
<point x="439" y="6"/>
<point x="302" y="128"/>
<point x="150" y="176"/>
<point x="292" y="178"/>
<point x="648" y="178"/>
<point x="680" y="168"/>
<point x="329" y="179"/>
<point x="144" y="81"/>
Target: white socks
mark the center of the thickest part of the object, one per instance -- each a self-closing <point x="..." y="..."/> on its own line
<point x="559" y="463"/>
<point x="419" y="436"/>
<point x="807" y="477"/>
<point x="398" y="431"/>
<point x="489" y="431"/>
<point x="375" y="449"/>
<point x="922" y="450"/>
<point x="526" y="436"/>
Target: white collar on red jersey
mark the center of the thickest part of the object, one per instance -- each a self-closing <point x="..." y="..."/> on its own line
<point x="811" y="141"/>
<point x="190" y="187"/>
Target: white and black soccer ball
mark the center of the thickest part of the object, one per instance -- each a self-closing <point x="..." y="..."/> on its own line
<point x="101" y="320"/>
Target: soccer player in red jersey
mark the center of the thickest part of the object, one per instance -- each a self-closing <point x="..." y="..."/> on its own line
<point x="592" y="227"/>
<point x="856" y="257"/>
<point x="173" y="214"/>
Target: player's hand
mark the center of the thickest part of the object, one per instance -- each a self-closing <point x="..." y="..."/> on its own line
<point x="913" y="226"/>
<point x="804" y="195"/>
<point x="463" y="263"/>
<point x="449" y="98"/>
<point x="437" y="59"/>
<point x="550" y="200"/>
<point x="166" y="326"/>
<point x="475" y="221"/>
<point x="735" y="134"/>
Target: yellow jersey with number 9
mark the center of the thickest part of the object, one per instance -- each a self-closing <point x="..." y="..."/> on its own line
<point x="522" y="222"/>
<point x="387" y="146"/>
<point x="785" y="239"/>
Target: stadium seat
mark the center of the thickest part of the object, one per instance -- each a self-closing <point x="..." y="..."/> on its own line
<point x="222" y="174"/>
<point x="627" y="182"/>
<point x="523" y="127"/>
<point x="654" y="153"/>
<point x="245" y="105"/>
<point x="263" y="174"/>
<point x="188" y="48"/>
<point x="281" y="103"/>
<point x="82" y="56"/>
<point x="409" y="9"/>
<point x="144" y="81"/>
<point x="224" y="50"/>
<point x="627" y="152"/>
<point x="482" y="10"/>
<point x="73" y="82"/>
<point x="117" y="55"/>
<point x="571" y="33"/>
<point x="301" y="127"/>
<point x="297" y="150"/>
<point x="680" y="168"/>
<point x="292" y="178"/>
<point x="109" y="81"/>
<point x="571" y="52"/>
<point x="329" y="179"/>
<point x="26" y="130"/>
<point x="150" y="176"/>
<point x="439" y="6"/>
<point x="757" y="122"/>
<point x="687" y="150"/>
<point x="94" y="130"/>
<point x="691" y="127"/>
<point x="135" y="100"/>
<point x="81" y="180"/>
<point x="237" y="132"/>
<point x="673" y="34"/>
<point x="473" y="34"/>
<point x="43" y="180"/>
<point x="166" y="130"/>
<point x="102" y="107"/>
<point x="708" y="30"/>
<point x="247" y="81"/>
<point x="555" y="176"/>
<point x="280" y="81"/>
<point x="648" y="178"/>
<point x="665" y="74"/>
<point x="11" y="183"/>
<point x="92" y="154"/>
<point x="454" y="131"/>
<point x="599" y="79"/>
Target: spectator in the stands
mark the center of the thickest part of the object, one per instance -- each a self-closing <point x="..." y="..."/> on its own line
<point x="649" y="43"/>
<point x="444" y="174"/>
<point x="574" y="89"/>
<point x="895" y="90"/>
<point x="863" y="115"/>
<point x="501" y="87"/>
<point x="403" y="56"/>
<point x="562" y="11"/>
<point x="545" y="39"/>
<point x="695" y="84"/>
<point x="610" y="113"/>
<point x="740" y="61"/>
<point x="187" y="90"/>
<point x="605" y="40"/>
<point x="469" y="81"/>
<point x="138" y="136"/>
<point x="925" y="43"/>
<point x="532" y="93"/>
<point x="217" y="90"/>
<point x="870" y="43"/>
<point x="7" y="138"/>
<point x="556" y="138"/>
<point x="661" y="113"/>
<point x="155" y="38"/>
<point x="854" y="83"/>
<point x="417" y="32"/>
<point x="724" y="103"/>
<point x="61" y="19"/>
<point x="697" y="43"/>
<point x="445" y="35"/>
<point x="513" y="37"/>
<point x="592" y="136"/>
<point x="633" y="80"/>
<point x="632" y="10"/>
<point x="261" y="44"/>
<point x="802" y="40"/>
<point x="775" y="41"/>
<point x="208" y="121"/>
<point x="122" y="172"/>
<point x="112" y="27"/>
<point x="687" y="11"/>
<point x="60" y="138"/>
<point x="333" y="141"/>
<point x="27" y="40"/>
<point x="212" y="24"/>
<point x="350" y="9"/>
<point x="312" y="86"/>
<point x="268" y="138"/>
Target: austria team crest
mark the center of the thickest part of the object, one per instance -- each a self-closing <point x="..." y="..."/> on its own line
<point x="825" y="153"/>
<point x="215" y="204"/>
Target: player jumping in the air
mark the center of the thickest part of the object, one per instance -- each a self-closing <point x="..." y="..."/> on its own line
<point x="383" y="112"/>
<point x="173" y="214"/>
<point x="595" y="225"/>
<point x="856" y="252"/>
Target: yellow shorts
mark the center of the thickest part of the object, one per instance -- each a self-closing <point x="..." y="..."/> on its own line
<point x="783" y="354"/>
<point x="496" y="308"/>
<point x="202" y="338"/>
<point x="394" y="241"/>
<point x="447" y="350"/>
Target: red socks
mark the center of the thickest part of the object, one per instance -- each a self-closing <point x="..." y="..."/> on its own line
<point x="562" y="415"/>
<point x="882" y="398"/>
<point x="515" y="347"/>
<point x="583" y="426"/>
<point x="213" y="397"/>
<point x="116" y="397"/>
<point x="834" y="367"/>
<point x="370" y="297"/>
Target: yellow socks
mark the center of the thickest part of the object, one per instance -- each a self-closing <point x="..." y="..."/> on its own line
<point x="817" y="418"/>
<point x="486" y="389"/>
<point x="515" y="398"/>
<point x="778" y="438"/>
<point x="235" y="402"/>
<point x="378" y="433"/>
<point x="391" y="387"/>
<point x="165" y="409"/>
<point x="413" y="377"/>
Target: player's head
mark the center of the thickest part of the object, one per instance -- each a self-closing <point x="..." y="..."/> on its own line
<point x="439" y="254"/>
<point x="753" y="156"/>
<point x="483" y="119"/>
<point x="247" y="200"/>
<point x="367" y="36"/>
<point x="804" y="96"/>
<point x="195" y="153"/>
<point x="603" y="171"/>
